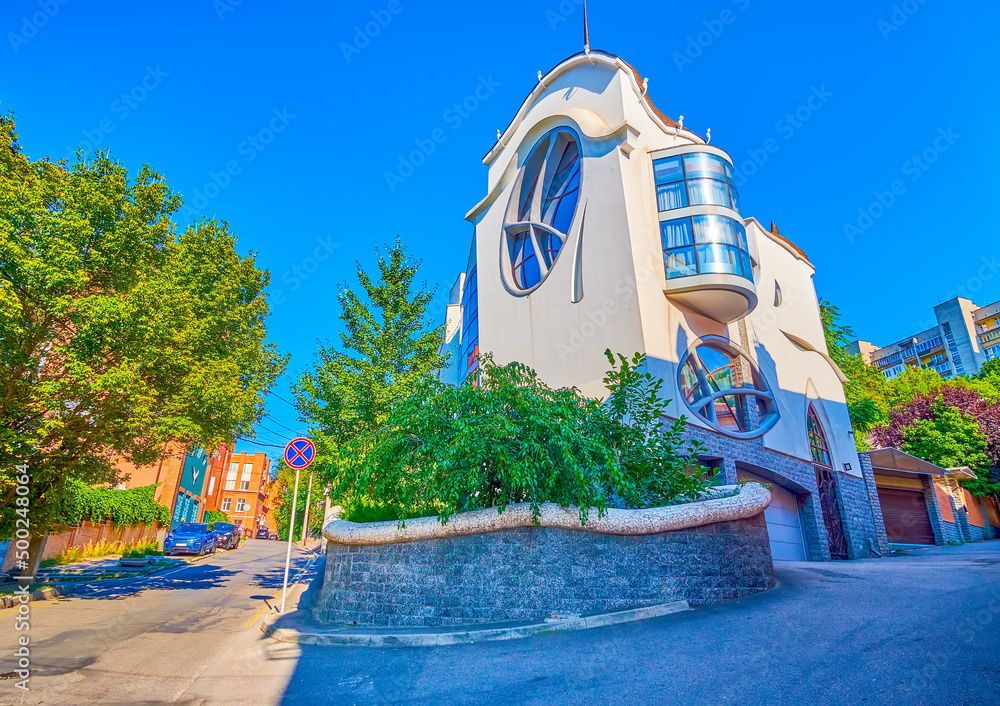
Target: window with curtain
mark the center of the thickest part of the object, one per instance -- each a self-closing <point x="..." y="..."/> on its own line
<point x="697" y="179"/>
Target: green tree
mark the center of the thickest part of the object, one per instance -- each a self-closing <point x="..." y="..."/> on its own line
<point x="513" y="439"/>
<point x="987" y="382"/>
<point x="388" y="348"/>
<point x="116" y="334"/>
<point x="948" y="439"/>
<point x="866" y="388"/>
<point x="283" y="511"/>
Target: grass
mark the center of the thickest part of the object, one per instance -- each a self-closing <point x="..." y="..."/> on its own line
<point x="102" y="549"/>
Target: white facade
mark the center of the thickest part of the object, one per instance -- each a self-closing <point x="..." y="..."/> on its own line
<point x="610" y="274"/>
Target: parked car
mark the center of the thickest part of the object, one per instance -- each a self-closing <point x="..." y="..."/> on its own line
<point x="227" y="535"/>
<point x="190" y="538"/>
<point x="274" y="536"/>
<point x="263" y="533"/>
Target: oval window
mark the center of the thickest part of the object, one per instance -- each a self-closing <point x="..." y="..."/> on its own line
<point x="724" y="387"/>
<point x="541" y="211"/>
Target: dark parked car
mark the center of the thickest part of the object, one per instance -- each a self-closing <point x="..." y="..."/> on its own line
<point x="263" y="533"/>
<point x="274" y="536"/>
<point x="227" y="535"/>
<point x="191" y="538"/>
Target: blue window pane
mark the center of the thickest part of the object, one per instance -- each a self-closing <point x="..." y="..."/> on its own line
<point x="671" y="196"/>
<point x="564" y="190"/>
<point x="708" y="192"/>
<point x="668" y="170"/>
<point x="550" y="245"/>
<point x="680" y="263"/>
<point x="735" y="197"/>
<point x="701" y="165"/>
<point x="741" y="233"/>
<point x="676" y="234"/>
<point x="715" y="229"/>
<point x="719" y="259"/>
<point x="747" y="266"/>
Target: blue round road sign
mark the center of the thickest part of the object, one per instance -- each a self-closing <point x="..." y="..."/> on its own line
<point x="300" y="453"/>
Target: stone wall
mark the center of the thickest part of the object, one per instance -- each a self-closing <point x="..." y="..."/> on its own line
<point x="854" y="494"/>
<point x="532" y="572"/>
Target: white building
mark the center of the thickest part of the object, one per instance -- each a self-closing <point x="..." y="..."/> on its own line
<point x="608" y="225"/>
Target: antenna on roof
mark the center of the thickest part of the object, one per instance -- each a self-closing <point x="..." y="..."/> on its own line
<point x="586" y="30"/>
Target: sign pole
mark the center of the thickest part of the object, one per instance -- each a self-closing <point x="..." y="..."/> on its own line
<point x="305" y="521"/>
<point x="291" y="529"/>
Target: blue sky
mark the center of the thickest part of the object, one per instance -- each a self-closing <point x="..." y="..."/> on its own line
<point x="299" y="114"/>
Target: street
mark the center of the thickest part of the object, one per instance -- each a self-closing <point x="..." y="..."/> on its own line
<point x="184" y="637"/>
<point x="920" y="628"/>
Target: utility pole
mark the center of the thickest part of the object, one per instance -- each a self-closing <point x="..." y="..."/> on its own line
<point x="291" y="532"/>
<point x="305" y="520"/>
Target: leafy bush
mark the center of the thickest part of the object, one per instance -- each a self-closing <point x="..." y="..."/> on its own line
<point x="365" y="509"/>
<point x="213" y="516"/>
<point x="122" y="507"/>
<point x="513" y="439"/>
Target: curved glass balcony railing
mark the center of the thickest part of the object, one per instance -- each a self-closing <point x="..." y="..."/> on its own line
<point x="706" y="255"/>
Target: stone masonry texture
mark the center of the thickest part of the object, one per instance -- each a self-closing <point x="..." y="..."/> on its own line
<point x="531" y="573"/>
<point x="854" y="495"/>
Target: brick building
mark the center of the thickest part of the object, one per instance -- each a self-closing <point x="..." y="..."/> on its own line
<point x="181" y="477"/>
<point x="242" y="491"/>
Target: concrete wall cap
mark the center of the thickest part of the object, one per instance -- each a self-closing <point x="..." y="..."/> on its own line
<point x="725" y="504"/>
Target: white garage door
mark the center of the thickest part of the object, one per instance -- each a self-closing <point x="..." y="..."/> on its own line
<point x="783" y="526"/>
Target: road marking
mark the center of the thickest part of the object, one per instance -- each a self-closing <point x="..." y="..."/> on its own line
<point x="254" y="619"/>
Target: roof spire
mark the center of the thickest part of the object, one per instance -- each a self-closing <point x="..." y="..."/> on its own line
<point x="586" y="30"/>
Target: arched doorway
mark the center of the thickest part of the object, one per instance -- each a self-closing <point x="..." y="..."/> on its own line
<point x="827" y="484"/>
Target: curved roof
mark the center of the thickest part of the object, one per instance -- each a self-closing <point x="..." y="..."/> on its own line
<point x="571" y="62"/>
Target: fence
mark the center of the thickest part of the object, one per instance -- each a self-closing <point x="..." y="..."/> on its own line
<point x="88" y="533"/>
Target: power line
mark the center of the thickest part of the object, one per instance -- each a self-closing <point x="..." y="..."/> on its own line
<point x="257" y="443"/>
<point x="268" y="416"/>
<point x="282" y="399"/>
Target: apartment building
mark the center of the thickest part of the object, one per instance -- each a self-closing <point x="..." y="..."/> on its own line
<point x="965" y="337"/>
<point x="243" y="492"/>
<point x="988" y="329"/>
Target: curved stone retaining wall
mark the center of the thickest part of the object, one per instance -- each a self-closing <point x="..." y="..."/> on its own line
<point x="475" y="570"/>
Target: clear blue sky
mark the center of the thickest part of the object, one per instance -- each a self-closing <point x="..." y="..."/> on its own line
<point x="217" y="74"/>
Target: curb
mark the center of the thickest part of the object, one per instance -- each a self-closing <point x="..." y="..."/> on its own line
<point x="337" y="637"/>
<point x="43" y="594"/>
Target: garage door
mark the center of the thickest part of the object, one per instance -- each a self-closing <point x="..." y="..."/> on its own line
<point x="783" y="525"/>
<point x="905" y="514"/>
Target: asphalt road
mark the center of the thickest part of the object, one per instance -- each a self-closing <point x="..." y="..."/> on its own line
<point x="190" y="636"/>
<point x="923" y="628"/>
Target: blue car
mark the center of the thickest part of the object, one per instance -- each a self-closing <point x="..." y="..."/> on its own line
<point x="191" y="538"/>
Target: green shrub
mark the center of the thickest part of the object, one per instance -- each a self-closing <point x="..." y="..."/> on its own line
<point x="122" y="507"/>
<point x="213" y="516"/>
<point x="513" y="439"/>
